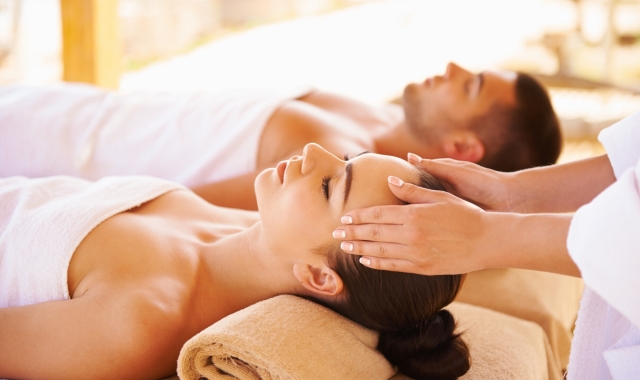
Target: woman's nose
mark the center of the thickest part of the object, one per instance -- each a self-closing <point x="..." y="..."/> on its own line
<point x="312" y="155"/>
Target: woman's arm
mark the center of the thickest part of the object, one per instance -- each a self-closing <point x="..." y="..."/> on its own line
<point x="447" y="235"/>
<point x="556" y="188"/>
<point x="562" y="188"/>
<point x="92" y="337"/>
<point x="444" y="234"/>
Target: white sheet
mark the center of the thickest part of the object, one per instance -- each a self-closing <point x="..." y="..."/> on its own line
<point x="192" y="138"/>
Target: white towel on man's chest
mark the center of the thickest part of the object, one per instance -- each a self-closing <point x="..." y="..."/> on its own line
<point x="193" y="138"/>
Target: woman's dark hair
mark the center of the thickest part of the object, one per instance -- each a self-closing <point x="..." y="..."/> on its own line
<point x="416" y="334"/>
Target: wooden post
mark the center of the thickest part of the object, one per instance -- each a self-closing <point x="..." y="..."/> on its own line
<point x="91" y="42"/>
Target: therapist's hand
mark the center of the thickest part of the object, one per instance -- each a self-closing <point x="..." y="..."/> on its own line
<point x="489" y="189"/>
<point x="437" y="234"/>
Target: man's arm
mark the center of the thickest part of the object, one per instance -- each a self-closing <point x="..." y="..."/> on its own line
<point x="236" y="192"/>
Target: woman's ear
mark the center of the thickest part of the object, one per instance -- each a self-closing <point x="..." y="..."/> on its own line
<point x="319" y="281"/>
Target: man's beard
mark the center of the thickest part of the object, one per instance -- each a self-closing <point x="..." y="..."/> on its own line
<point x="418" y="123"/>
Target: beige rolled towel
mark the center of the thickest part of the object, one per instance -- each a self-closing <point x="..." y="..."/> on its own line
<point x="550" y="300"/>
<point x="285" y="337"/>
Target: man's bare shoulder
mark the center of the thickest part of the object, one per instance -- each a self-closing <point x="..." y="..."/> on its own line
<point x="354" y="109"/>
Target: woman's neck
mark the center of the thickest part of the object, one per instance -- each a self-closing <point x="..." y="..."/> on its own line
<point x="242" y="271"/>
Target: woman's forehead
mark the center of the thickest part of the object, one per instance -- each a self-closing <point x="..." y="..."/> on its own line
<point x="370" y="179"/>
<point x="389" y="164"/>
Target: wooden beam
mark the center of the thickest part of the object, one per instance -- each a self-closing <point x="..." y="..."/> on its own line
<point x="91" y="42"/>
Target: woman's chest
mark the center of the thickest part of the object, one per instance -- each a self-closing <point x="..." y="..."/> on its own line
<point x="158" y="243"/>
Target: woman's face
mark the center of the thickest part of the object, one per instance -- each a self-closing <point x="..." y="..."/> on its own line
<point x="301" y="200"/>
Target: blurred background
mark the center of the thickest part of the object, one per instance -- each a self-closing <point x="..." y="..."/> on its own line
<point x="587" y="52"/>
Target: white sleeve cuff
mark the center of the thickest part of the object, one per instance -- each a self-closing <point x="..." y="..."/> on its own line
<point x="622" y="143"/>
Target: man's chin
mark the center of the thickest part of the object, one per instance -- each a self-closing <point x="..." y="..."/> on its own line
<point x="410" y="89"/>
<point x="414" y="94"/>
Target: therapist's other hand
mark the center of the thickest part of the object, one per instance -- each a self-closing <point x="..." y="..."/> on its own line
<point x="489" y="189"/>
<point x="437" y="234"/>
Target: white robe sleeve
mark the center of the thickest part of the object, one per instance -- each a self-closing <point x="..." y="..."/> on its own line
<point x="604" y="237"/>
<point x="622" y="142"/>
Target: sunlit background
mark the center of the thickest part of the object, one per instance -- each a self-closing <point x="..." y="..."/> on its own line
<point x="586" y="51"/>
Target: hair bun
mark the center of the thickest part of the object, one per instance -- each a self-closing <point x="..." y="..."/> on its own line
<point x="428" y="350"/>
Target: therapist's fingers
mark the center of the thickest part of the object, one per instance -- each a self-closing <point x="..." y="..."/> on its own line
<point x="377" y="214"/>
<point x="394" y="265"/>
<point x="395" y="214"/>
<point x="374" y="249"/>
<point x="390" y="233"/>
<point x="411" y="193"/>
<point x="444" y="169"/>
<point x="484" y="187"/>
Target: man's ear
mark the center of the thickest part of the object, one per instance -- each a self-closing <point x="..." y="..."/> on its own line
<point x="463" y="146"/>
<point x="320" y="281"/>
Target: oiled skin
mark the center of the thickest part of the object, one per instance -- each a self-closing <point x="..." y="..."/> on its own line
<point x="139" y="292"/>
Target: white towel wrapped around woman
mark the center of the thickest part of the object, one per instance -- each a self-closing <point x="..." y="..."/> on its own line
<point x="42" y="222"/>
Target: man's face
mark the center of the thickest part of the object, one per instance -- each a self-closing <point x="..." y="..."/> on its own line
<point x="442" y="104"/>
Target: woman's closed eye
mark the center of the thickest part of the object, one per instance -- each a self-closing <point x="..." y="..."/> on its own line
<point x="326" y="180"/>
<point x="325" y="186"/>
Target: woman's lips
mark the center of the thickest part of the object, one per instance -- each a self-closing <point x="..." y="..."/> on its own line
<point x="282" y="166"/>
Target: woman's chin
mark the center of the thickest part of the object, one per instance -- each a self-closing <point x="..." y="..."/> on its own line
<point x="264" y="185"/>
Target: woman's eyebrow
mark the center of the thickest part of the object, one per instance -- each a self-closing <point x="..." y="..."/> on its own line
<point x="347" y="182"/>
<point x="348" y="170"/>
<point x="349" y="177"/>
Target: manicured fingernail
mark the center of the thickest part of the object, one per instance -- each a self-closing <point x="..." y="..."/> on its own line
<point x="395" y="181"/>
<point x="347" y="247"/>
<point x="339" y="234"/>
<point x="414" y="158"/>
<point x="346" y="219"/>
<point x="365" y="261"/>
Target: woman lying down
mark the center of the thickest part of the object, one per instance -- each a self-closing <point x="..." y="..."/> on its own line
<point x="111" y="278"/>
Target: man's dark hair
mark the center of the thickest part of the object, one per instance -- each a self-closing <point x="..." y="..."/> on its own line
<point x="524" y="136"/>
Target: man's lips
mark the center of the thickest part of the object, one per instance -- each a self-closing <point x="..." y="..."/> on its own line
<point x="282" y="166"/>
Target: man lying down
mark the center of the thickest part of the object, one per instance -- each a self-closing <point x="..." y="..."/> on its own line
<point x="114" y="276"/>
<point x="217" y="144"/>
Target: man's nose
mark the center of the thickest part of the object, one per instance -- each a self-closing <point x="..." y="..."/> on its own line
<point x="453" y="70"/>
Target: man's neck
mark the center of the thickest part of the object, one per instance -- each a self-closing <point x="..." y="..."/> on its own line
<point x="399" y="140"/>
